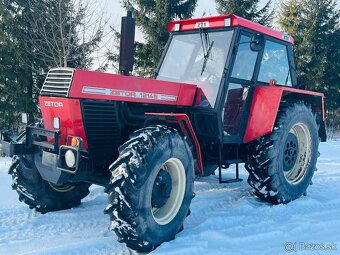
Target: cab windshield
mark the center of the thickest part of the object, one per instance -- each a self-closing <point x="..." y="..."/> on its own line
<point x="197" y="58"/>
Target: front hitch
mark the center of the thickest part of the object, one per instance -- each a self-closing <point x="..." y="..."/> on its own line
<point x="34" y="137"/>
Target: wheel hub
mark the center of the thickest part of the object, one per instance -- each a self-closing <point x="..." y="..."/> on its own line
<point x="161" y="189"/>
<point x="291" y="150"/>
<point x="168" y="191"/>
<point x="61" y="188"/>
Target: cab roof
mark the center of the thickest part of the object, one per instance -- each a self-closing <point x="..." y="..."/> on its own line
<point x="229" y="20"/>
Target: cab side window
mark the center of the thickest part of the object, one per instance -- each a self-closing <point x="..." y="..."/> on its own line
<point x="274" y="64"/>
<point x="245" y="60"/>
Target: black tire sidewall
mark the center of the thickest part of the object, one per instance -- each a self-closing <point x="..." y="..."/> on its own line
<point x="46" y="198"/>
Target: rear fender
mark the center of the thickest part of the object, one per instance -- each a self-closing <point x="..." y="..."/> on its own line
<point x="265" y="105"/>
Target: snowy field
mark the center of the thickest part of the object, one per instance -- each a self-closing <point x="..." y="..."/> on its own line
<point x="225" y="219"/>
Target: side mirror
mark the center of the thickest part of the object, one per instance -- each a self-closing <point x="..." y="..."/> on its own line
<point x="257" y="42"/>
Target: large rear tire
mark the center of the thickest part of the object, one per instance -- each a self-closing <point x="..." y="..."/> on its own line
<point x="151" y="188"/>
<point x="281" y="165"/>
<point x="42" y="195"/>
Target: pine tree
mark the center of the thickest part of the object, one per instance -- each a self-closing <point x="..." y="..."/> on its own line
<point x="321" y="43"/>
<point x="16" y="81"/>
<point x="35" y="36"/>
<point x="291" y="21"/>
<point x="247" y="9"/>
<point x="314" y="24"/>
<point x="152" y="17"/>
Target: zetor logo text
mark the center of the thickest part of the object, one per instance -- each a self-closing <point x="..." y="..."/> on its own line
<point x="53" y="104"/>
<point x="128" y="93"/>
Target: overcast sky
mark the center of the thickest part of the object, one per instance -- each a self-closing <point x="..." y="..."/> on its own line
<point x="115" y="11"/>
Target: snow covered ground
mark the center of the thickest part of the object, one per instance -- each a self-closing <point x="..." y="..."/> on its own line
<point x="225" y="219"/>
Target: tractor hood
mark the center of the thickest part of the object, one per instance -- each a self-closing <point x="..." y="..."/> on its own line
<point x="75" y="83"/>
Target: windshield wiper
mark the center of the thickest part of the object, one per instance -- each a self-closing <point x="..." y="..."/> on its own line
<point x="206" y="57"/>
<point x="206" y="46"/>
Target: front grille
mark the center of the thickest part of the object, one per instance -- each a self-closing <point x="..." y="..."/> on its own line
<point x="58" y="82"/>
<point x="103" y="128"/>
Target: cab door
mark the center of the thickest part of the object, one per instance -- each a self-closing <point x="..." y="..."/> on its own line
<point x="242" y="79"/>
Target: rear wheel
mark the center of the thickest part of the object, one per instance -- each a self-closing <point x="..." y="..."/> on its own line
<point x="151" y="188"/>
<point x="281" y="164"/>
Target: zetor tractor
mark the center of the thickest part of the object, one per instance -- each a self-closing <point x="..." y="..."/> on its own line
<point x="225" y="92"/>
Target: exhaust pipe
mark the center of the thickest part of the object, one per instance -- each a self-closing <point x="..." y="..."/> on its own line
<point x="127" y="41"/>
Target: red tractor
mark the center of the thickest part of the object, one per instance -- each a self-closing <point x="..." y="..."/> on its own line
<point x="225" y="92"/>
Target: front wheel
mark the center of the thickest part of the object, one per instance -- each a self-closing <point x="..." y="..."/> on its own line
<point x="151" y="188"/>
<point x="281" y="164"/>
<point x="42" y="195"/>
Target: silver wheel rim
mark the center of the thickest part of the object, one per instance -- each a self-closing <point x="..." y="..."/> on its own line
<point x="169" y="210"/>
<point x="296" y="174"/>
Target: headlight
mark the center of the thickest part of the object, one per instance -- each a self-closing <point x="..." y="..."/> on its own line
<point x="70" y="158"/>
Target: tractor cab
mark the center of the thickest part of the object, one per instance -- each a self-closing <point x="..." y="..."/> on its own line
<point x="226" y="57"/>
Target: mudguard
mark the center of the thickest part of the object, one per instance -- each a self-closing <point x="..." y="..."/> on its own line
<point x="265" y="105"/>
